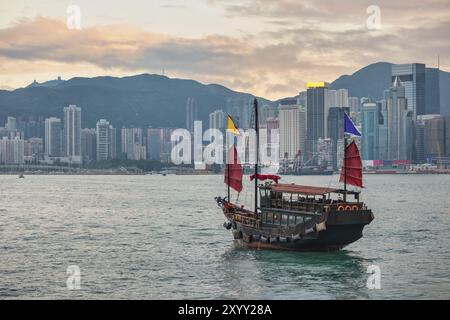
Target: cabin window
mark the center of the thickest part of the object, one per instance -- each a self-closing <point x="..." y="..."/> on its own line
<point x="299" y="220"/>
<point x="269" y="217"/>
<point x="284" y="219"/>
<point x="292" y="220"/>
<point x="276" y="219"/>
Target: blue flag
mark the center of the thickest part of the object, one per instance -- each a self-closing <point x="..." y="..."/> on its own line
<point x="349" y="126"/>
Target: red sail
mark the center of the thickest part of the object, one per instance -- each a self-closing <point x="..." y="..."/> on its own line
<point x="354" y="166"/>
<point x="234" y="169"/>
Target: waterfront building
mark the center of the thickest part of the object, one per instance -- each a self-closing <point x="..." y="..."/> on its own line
<point x="412" y="77"/>
<point x="382" y="131"/>
<point x="53" y="137"/>
<point x="399" y="123"/>
<point x="12" y="151"/>
<point x="88" y="145"/>
<point x="104" y="140"/>
<point x="34" y="149"/>
<point x="432" y="92"/>
<point x="133" y="146"/>
<point x="11" y="124"/>
<point x="316" y="119"/>
<point x="353" y="104"/>
<point x="191" y="113"/>
<point x="72" y="134"/>
<point x="217" y="120"/>
<point x="370" y="131"/>
<point x="292" y="129"/>
<point x="335" y="131"/>
<point x="266" y="112"/>
<point x="324" y="152"/>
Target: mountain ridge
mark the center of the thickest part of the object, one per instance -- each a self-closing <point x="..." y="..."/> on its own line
<point x="159" y="101"/>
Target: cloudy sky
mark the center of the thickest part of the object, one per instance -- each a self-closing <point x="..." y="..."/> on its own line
<point x="265" y="47"/>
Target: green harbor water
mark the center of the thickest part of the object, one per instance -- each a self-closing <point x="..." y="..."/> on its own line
<point x="155" y="237"/>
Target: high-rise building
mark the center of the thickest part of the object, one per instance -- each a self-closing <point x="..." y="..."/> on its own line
<point x="11" y="124"/>
<point x="432" y="92"/>
<point x="335" y="131"/>
<point x="435" y="136"/>
<point x="217" y="120"/>
<point x="266" y="113"/>
<point x="302" y="98"/>
<point x="399" y="123"/>
<point x="353" y="104"/>
<point x="370" y="132"/>
<point x="34" y="129"/>
<point x="412" y="77"/>
<point x="133" y="146"/>
<point x="324" y="152"/>
<point x="154" y="143"/>
<point x="292" y="129"/>
<point x="316" y="119"/>
<point x="382" y="130"/>
<point x="72" y="133"/>
<point x="191" y="113"/>
<point x="12" y="150"/>
<point x="273" y="124"/>
<point x="88" y="145"/>
<point x="241" y="109"/>
<point x="53" y="137"/>
<point x="419" y="142"/>
<point x="104" y="140"/>
<point x="33" y="150"/>
<point x="113" y="142"/>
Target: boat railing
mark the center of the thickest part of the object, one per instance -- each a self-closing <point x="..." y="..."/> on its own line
<point x="251" y="221"/>
<point x="314" y="205"/>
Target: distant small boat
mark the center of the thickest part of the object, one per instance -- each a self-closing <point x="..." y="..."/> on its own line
<point x="21" y="176"/>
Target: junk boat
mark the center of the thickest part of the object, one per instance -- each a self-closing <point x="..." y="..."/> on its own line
<point x="296" y="217"/>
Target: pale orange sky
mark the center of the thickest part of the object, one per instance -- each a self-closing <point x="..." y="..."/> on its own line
<point x="267" y="48"/>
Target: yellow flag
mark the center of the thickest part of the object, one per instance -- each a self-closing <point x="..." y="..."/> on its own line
<point x="231" y="127"/>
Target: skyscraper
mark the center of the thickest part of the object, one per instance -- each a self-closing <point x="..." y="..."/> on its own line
<point x="133" y="146"/>
<point x="11" y="124"/>
<point x="53" y="137"/>
<point x="382" y="130"/>
<point x="12" y="150"/>
<point x="113" y="142"/>
<point x="370" y="131"/>
<point x="292" y="126"/>
<point x="72" y="133"/>
<point x="399" y="123"/>
<point x="88" y="145"/>
<point x="217" y="120"/>
<point x="432" y="92"/>
<point x="316" y="119"/>
<point x="353" y="103"/>
<point x="191" y="113"/>
<point x="412" y="77"/>
<point x="335" y="131"/>
<point x="266" y="112"/>
<point x="104" y="140"/>
<point x="154" y="143"/>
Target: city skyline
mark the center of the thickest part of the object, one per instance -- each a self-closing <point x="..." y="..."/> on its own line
<point x="265" y="48"/>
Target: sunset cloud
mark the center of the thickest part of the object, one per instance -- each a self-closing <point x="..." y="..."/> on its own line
<point x="305" y="41"/>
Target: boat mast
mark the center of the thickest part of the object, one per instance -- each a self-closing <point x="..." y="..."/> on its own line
<point x="345" y="168"/>
<point x="255" y="103"/>
<point x="228" y="177"/>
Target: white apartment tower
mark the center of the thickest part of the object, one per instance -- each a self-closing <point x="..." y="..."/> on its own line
<point x="72" y="133"/>
<point x="292" y="130"/>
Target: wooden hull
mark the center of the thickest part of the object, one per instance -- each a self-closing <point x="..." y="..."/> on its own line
<point x="340" y="229"/>
<point x="333" y="239"/>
